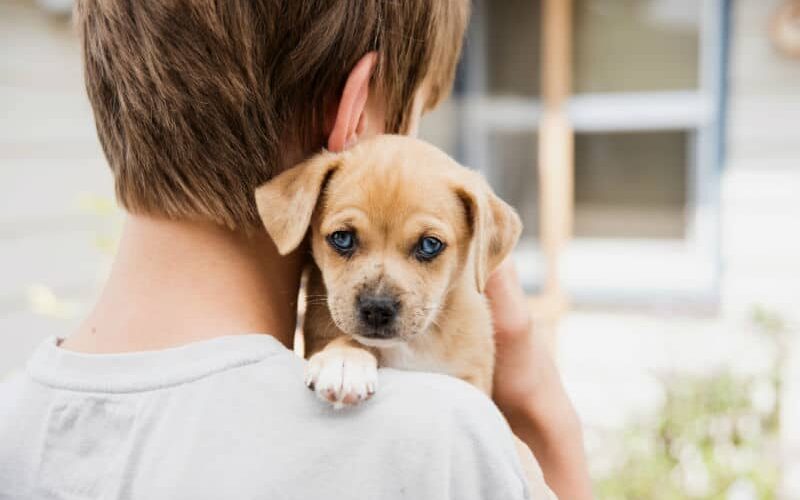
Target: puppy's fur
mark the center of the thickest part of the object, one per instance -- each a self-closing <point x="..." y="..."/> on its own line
<point x="388" y="193"/>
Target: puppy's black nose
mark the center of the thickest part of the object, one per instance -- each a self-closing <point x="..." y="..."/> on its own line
<point x="377" y="311"/>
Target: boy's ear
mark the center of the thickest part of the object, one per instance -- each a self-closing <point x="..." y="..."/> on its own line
<point x="350" y="115"/>
<point x="287" y="202"/>
<point x="495" y="227"/>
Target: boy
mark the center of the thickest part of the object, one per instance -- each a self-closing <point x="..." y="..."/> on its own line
<point x="179" y="383"/>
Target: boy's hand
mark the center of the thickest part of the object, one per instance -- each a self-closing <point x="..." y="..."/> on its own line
<point x="515" y="377"/>
<point x="528" y="389"/>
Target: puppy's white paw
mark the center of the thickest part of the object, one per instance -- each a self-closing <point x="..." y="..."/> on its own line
<point x="342" y="375"/>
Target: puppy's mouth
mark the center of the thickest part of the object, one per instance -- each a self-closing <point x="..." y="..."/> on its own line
<point x="379" y="342"/>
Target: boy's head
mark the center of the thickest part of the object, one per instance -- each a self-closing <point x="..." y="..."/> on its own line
<point x="197" y="102"/>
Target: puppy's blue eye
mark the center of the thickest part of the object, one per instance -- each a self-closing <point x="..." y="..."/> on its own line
<point x="342" y="241"/>
<point x="428" y="248"/>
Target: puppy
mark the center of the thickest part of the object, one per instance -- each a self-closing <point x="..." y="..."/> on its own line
<point x="403" y="240"/>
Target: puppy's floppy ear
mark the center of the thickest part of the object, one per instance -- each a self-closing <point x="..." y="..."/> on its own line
<point x="495" y="228"/>
<point x="287" y="202"/>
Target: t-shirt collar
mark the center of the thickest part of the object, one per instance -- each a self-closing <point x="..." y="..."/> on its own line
<point x="146" y="370"/>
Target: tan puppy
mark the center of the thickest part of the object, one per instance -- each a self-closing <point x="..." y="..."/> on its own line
<point x="403" y="239"/>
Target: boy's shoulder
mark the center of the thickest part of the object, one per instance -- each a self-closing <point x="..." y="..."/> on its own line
<point x="403" y="397"/>
<point x="409" y="400"/>
<point x="420" y="433"/>
<point x="14" y="394"/>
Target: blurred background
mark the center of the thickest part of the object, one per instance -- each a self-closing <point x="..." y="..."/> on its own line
<point x="652" y="148"/>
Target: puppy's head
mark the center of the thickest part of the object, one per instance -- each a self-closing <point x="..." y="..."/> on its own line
<point x="396" y="227"/>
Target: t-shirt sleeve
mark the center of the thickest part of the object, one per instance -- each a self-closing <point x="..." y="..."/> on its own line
<point x="443" y="438"/>
<point x="484" y="460"/>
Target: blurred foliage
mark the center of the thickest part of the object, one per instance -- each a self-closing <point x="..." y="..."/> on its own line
<point x="107" y="222"/>
<point x="106" y="211"/>
<point x="43" y="301"/>
<point x="716" y="436"/>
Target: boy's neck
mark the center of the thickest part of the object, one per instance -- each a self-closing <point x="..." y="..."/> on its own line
<point x="176" y="282"/>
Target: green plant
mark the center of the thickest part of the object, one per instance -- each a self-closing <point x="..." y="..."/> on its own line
<point x="716" y="437"/>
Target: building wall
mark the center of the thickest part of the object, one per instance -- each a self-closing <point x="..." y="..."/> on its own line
<point x="51" y="173"/>
<point x="761" y="198"/>
<point x="761" y="184"/>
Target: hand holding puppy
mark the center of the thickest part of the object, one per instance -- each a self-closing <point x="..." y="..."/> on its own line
<point x="528" y="389"/>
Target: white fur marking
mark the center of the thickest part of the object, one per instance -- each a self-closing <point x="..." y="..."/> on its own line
<point x="405" y="357"/>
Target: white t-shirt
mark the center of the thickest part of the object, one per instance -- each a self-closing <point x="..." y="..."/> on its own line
<point x="230" y="418"/>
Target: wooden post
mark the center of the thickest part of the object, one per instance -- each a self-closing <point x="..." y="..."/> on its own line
<point x="556" y="143"/>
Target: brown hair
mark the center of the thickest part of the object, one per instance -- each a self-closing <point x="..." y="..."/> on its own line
<point x="195" y="99"/>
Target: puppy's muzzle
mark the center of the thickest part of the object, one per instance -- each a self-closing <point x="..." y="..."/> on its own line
<point x="377" y="314"/>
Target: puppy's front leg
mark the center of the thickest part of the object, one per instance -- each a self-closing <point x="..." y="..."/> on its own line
<point x="342" y="373"/>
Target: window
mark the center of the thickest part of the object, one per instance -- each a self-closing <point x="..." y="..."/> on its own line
<point x="631" y="185"/>
<point x="645" y="107"/>
<point x="636" y="45"/>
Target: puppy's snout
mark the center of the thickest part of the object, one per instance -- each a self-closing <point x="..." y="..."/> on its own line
<point x="377" y="311"/>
